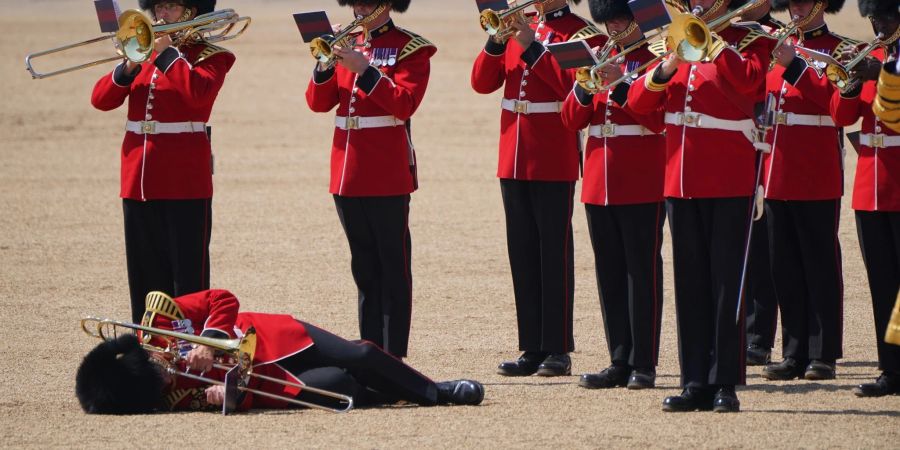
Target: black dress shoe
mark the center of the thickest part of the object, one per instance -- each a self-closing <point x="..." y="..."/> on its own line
<point x="788" y="369"/>
<point x="527" y="364"/>
<point x="758" y="356"/>
<point x="460" y="392"/>
<point x="819" y="370"/>
<point x="642" y="379"/>
<point x="691" y="399"/>
<point x="610" y="377"/>
<point x="555" y="365"/>
<point x="726" y="400"/>
<point x="886" y="384"/>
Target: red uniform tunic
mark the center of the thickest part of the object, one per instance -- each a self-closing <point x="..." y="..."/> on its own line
<point x="706" y="162"/>
<point x="805" y="162"/>
<point x="619" y="170"/>
<point x="877" y="183"/>
<point x="215" y="313"/>
<point x="377" y="161"/>
<point x="171" y="87"/>
<point x="535" y="146"/>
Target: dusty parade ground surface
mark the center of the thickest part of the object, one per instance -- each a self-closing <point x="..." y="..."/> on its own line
<point x="278" y="245"/>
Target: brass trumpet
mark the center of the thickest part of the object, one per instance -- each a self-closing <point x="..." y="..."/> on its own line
<point x="783" y="35"/>
<point x="496" y="23"/>
<point x="134" y="39"/>
<point x="322" y="47"/>
<point x="240" y="351"/>
<point x="839" y="74"/>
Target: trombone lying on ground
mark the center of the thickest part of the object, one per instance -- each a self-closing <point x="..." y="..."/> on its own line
<point x="134" y="39"/>
<point x="239" y="352"/>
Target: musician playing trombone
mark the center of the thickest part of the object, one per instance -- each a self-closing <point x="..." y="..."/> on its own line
<point x="623" y="198"/>
<point x="876" y="189"/>
<point x="120" y="377"/>
<point x="166" y="155"/>
<point x="709" y="186"/>
<point x="538" y="167"/>
<point x="804" y="181"/>
<point x="377" y="84"/>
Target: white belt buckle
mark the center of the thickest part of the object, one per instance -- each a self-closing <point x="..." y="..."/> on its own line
<point x="878" y="140"/>
<point x="781" y="118"/>
<point x="351" y="123"/>
<point x="148" y="126"/>
<point x="521" y="107"/>
<point x="691" y="119"/>
<point x="608" y="130"/>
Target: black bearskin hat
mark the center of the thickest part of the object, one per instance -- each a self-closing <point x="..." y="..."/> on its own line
<point x="203" y="6"/>
<point x="396" y="5"/>
<point x="117" y="377"/>
<point x="605" y="10"/>
<point x="869" y="8"/>
<point x="832" y="6"/>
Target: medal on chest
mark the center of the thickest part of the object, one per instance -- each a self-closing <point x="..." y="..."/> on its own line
<point x="383" y="57"/>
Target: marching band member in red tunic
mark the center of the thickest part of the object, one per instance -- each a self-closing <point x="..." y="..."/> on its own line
<point x="166" y="156"/>
<point x="804" y="181"/>
<point x="376" y="86"/>
<point x="118" y="377"/>
<point x="622" y="193"/>
<point x="538" y="167"/>
<point x="709" y="184"/>
<point x="876" y="191"/>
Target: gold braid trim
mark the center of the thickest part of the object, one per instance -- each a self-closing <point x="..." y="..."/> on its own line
<point x="752" y="36"/>
<point x="209" y="51"/>
<point x="846" y="43"/>
<point x="417" y="42"/>
<point x="197" y="395"/>
<point x="585" y="33"/>
<point x="658" y="48"/>
<point x="159" y="303"/>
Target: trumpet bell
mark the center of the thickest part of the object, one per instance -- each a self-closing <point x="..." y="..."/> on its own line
<point x="134" y="39"/>
<point x="321" y="49"/>
<point x="491" y="22"/>
<point x="689" y="37"/>
<point x="837" y="75"/>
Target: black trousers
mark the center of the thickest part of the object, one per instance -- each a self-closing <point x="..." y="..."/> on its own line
<point x="377" y="230"/>
<point x="166" y="248"/>
<point x="762" y="303"/>
<point x="708" y="238"/>
<point x="541" y="258"/>
<point x="806" y="267"/>
<point x="359" y="369"/>
<point x="879" y="240"/>
<point x="627" y="240"/>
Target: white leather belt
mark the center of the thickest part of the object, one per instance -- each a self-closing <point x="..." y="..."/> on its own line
<point x="357" y="122"/>
<point x="698" y="120"/>
<point x="608" y="130"/>
<point x="879" y="140"/>
<point x="154" y="127"/>
<point x="787" y="118"/>
<point x="526" y="107"/>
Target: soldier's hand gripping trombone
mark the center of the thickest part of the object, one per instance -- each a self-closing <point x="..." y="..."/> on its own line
<point x="136" y="33"/>
<point x="237" y="358"/>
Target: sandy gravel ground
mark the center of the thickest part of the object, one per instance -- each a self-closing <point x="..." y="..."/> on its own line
<point x="278" y="245"/>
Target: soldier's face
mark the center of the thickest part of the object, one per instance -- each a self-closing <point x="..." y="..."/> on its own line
<point x="168" y="12"/>
<point x="885" y="25"/>
<point x="365" y="10"/>
<point x="617" y="25"/>
<point x="801" y="8"/>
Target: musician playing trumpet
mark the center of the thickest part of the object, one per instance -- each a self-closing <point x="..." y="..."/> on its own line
<point x="709" y="185"/>
<point x="167" y="164"/>
<point x="119" y="376"/>
<point x="803" y="182"/>
<point x="876" y="190"/>
<point x="377" y="85"/>
<point x="623" y="198"/>
<point x="538" y="167"/>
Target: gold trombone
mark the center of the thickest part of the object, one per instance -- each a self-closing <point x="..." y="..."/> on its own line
<point x="239" y="350"/>
<point x="136" y="33"/>
<point x="839" y="73"/>
<point x="497" y="23"/>
<point x="322" y="47"/>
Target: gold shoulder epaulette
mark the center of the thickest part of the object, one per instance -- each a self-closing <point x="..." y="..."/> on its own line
<point x="585" y="33"/>
<point x="417" y="42"/>
<point x="159" y="303"/>
<point x="197" y="402"/>
<point x="658" y="48"/>
<point x="845" y="44"/>
<point x="750" y="37"/>
<point x="209" y="51"/>
<point x="749" y="25"/>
